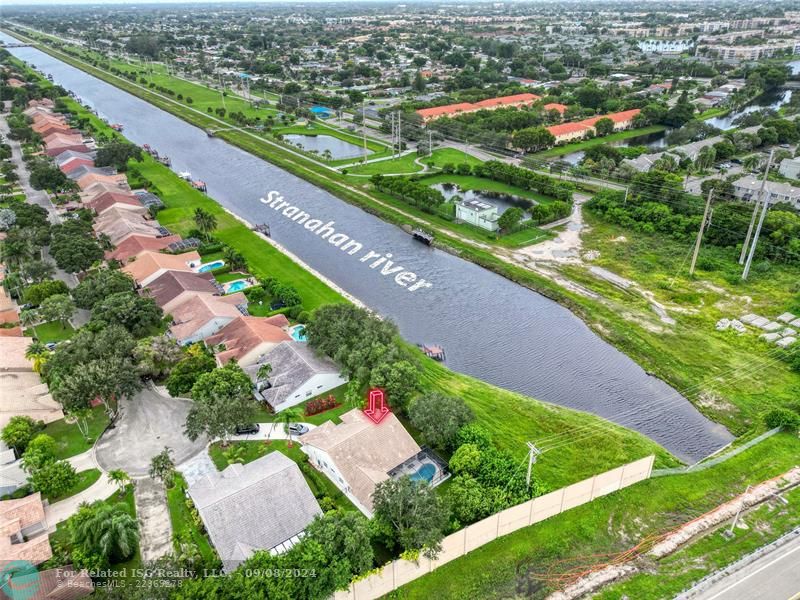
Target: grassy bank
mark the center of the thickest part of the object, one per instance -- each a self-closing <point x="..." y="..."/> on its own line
<point x="69" y="439"/>
<point x="514" y="565"/>
<point x="184" y="527"/>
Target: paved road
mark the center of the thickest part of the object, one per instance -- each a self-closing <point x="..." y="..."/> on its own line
<point x="774" y="576"/>
<point x="147" y="423"/>
<point x="38" y="197"/>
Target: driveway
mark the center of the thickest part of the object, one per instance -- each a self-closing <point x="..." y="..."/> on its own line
<point x="146" y="424"/>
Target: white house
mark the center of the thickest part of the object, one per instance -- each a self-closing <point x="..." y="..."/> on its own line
<point x="747" y="188"/>
<point x="297" y="375"/>
<point x="479" y="213"/>
<point x="357" y="454"/>
<point x="790" y="167"/>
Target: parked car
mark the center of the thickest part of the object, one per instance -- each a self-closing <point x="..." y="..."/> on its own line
<point x="297" y="429"/>
<point x="50" y="346"/>
<point x="247" y="429"/>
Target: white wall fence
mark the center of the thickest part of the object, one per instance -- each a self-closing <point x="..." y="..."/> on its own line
<point x="399" y="572"/>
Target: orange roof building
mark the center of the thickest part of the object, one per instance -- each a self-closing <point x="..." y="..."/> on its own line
<point x="135" y="244"/>
<point x="149" y="265"/>
<point x="561" y="108"/>
<point x="249" y="339"/>
<point x="450" y="110"/>
<point x="23" y="530"/>
<point x="566" y="132"/>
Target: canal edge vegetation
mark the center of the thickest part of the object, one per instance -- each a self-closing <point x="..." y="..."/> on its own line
<point x="512" y="418"/>
<point x="631" y="333"/>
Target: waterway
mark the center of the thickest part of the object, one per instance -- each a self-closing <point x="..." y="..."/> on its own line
<point x="657" y="141"/>
<point x="490" y="327"/>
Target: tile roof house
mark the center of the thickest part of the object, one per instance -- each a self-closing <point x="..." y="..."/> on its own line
<point x="561" y="108"/>
<point x="70" y="154"/>
<point x="249" y="339"/>
<point x="148" y="265"/>
<point x="134" y="244"/>
<point x="431" y="114"/>
<point x="120" y="181"/>
<point x="21" y="389"/>
<point x="70" y="164"/>
<point x="120" y="227"/>
<point x="203" y="315"/>
<point x="23" y="530"/>
<point x="98" y="188"/>
<point x="174" y="287"/>
<point x="297" y="375"/>
<point x="76" y="174"/>
<point x="357" y="454"/>
<point x="55" y="150"/>
<point x="263" y="505"/>
<point x="123" y="200"/>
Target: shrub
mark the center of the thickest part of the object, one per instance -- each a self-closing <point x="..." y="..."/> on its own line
<point x="782" y="417"/>
<point x="319" y="405"/>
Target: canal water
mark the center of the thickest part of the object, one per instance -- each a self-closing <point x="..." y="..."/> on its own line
<point x="657" y="141"/>
<point x="490" y="327"/>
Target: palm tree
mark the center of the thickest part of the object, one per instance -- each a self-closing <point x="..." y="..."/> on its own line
<point x="119" y="478"/>
<point x="289" y="416"/>
<point x="264" y="371"/>
<point x="163" y="467"/>
<point x="106" y="529"/>
<point x="38" y="353"/>
<point x="205" y="221"/>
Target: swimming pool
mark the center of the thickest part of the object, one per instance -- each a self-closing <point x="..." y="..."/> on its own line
<point x="299" y="334"/>
<point x="424" y="473"/>
<point x="236" y="286"/>
<point x="211" y="266"/>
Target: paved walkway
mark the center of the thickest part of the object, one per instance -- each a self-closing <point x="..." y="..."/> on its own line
<point x="197" y="467"/>
<point x="64" y="509"/>
<point x="155" y="528"/>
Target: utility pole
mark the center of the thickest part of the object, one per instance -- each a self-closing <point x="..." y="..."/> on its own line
<point x="729" y="533"/>
<point x="700" y="233"/>
<point x="764" y="208"/>
<point x="364" y="125"/>
<point x="430" y="143"/>
<point x="533" y="453"/>
<point x="222" y="92"/>
<point x="399" y="133"/>
<point x="392" y="117"/>
<point x="758" y="199"/>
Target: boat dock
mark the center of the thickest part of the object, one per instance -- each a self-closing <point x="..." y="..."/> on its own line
<point x="433" y="351"/>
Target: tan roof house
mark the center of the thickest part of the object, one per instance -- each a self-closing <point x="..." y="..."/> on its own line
<point x="148" y="265"/>
<point x="120" y="181"/>
<point x="23" y="530"/>
<point x="173" y="288"/>
<point x="357" y="454"/>
<point x="249" y="339"/>
<point x="134" y="244"/>
<point x="120" y="226"/>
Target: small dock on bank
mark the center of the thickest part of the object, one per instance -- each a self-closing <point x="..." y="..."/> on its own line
<point x="433" y="351"/>
<point x="262" y="228"/>
<point x="422" y="236"/>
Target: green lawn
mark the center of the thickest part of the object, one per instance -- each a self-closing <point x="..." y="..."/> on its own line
<point x="406" y="164"/>
<point x="514" y="419"/>
<point x="262" y="258"/>
<point x="184" y="527"/>
<point x="470" y="182"/>
<point x="597" y="141"/>
<point x="85" y="480"/>
<point x="69" y="440"/>
<point x="710" y="553"/>
<point x="55" y="331"/>
<point x="508" y="566"/>
<point x="262" y="415"/>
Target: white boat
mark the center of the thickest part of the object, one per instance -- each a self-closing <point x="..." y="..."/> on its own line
<point x="185" y="175"/>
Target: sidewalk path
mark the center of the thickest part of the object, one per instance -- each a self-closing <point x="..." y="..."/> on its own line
<point x="63" y="510"/>
<point x="152" y="512"/>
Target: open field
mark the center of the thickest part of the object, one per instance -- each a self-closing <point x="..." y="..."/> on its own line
<point x="407" y="165"/>
<point x="55" y="331"/>
<point x="511" y="565"/>
<point x="731" y="378"/>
